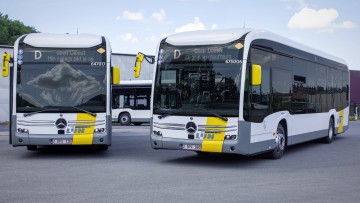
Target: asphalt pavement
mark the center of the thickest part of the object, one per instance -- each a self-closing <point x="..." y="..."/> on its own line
<point x="131" y="171"/>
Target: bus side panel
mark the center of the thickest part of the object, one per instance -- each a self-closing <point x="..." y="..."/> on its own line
<point x="342" y="121"/>
<point x="21" y="139"/>
<point x="244" y="145"/>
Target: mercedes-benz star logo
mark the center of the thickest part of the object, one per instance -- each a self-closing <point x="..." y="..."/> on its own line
<point x="191" y="128"/>
<point x="61" y="123"/>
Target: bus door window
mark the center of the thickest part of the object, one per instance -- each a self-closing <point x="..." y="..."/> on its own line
<point x="168" y="88"/>
<point x="258" y="97"/>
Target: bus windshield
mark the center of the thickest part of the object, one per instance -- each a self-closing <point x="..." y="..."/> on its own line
<point x="61" y="78"/>
<point x="198" y="80"/>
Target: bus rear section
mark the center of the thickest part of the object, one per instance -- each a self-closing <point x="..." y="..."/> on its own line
<point x="60" y="92"/>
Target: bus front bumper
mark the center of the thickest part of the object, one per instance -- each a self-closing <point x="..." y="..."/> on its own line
<point x="159" y="142"/>
<point x="21" y="139"/>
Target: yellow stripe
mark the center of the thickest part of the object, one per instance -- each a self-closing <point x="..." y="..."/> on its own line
<point x="84" y="136"/>
<point x="216" y="144"/>
<point x="341" y="124"/>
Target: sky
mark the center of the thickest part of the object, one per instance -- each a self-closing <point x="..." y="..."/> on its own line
<point x="331" y="26"/>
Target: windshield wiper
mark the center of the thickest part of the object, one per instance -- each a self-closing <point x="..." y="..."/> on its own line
<point x="83" y="110"/>
<point x="214" y="114"/>
<point x="169" y="114"/>
<point x="42" y="110"/>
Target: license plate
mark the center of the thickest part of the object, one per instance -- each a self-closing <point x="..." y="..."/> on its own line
<point x="61" y="141"/>
<point x="192" y="147"/>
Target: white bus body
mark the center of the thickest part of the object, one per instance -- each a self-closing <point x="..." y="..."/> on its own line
<point x="202" y="99"/>
<point x="60" y="92"/>
<point x="131" y="102"/>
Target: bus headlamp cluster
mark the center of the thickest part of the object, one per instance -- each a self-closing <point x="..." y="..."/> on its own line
<point x="22" y="130"/>
<point x="99" y="130"/>
<point x="230" y="137"/>
<point x="158" y="133"/>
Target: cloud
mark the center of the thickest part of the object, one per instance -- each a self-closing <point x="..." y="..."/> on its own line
<point x="163" y="35"/>
<point x="319" y="20"/>
<point x="289" y="4"/>
<point x="128" y="37"/>
<point x="160" y="16"/>
<point x="214" y="26"/>
<point x="134" y="16"/>
<point x="345" y="25"/>
<point x="152" y="38"/>
<point x="196" y="25"/>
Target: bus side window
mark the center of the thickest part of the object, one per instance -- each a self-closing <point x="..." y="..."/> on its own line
<point x="282" y="82"/>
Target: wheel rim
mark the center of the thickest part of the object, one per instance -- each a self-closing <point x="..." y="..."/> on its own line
<point x="124" y="119"/>
<point x="280" y="141"/>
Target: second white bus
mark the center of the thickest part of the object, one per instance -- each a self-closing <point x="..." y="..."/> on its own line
<point x="245" y="91"/>
<point x="131" y="102"/>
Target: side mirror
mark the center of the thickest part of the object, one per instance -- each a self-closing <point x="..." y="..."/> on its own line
<point x="137" y="67"/>
<point x="255" y="75"/>
<point x="115" y="75"/>
<point x="5" y="65"/>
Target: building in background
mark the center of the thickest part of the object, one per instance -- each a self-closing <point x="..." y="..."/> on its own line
<point x="124" y="61"/>
<point x="354" y="92"/>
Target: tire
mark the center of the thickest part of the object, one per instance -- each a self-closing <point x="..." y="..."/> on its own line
<point x="124" y="119"/>
<point x="201" y="153"/>
<point x="137" y="123"/>
<point x="103" y="147"/>
<point x="31" y="147"/>
<point x="280" y="143"/>
<point x="331" y="132"/>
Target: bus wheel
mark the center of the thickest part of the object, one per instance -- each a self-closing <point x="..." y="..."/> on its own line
<point x="280" y="142"/>
<point x="328" y="139"/>
<point x="137" y="123"/>
<point x="124" y="119"/>
<point x="103" y="147"/>
<point x="201" y="153"/>
<point x="31" y="147"/>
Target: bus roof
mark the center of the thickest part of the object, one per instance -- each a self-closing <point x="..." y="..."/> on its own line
<point x="207" y="37"/>
<point x="62" y="40"/>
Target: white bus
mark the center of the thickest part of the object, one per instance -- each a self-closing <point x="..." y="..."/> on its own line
<point x="245" y="91"/>
<point x="131" y="102"/>
<point x="60" y="90"/>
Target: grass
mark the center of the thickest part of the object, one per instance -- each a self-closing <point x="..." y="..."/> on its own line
<point x="352" y="118"/>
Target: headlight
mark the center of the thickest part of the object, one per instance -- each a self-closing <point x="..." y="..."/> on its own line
<point x="99" y="130"/>
<point x="23" y="130"/>
<point x="230" y="137"/>
<point x="158" y="133"/>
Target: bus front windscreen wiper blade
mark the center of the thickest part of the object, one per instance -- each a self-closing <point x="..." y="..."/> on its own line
<point x="214" y="114"/>
<point x="42" y="110"/>
<point x="83" y="110"/>
<point x="170" y="113"/>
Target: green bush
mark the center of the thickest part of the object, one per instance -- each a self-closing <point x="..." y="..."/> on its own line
<point x="352" y="118"/>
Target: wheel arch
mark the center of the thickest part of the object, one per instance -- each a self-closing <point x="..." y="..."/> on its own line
<point x="284" y="124"/>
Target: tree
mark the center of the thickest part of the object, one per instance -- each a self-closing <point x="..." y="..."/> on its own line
<point x="10" y="30"/>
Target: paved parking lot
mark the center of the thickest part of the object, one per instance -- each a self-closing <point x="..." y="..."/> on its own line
<point x="131" y="171"/>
